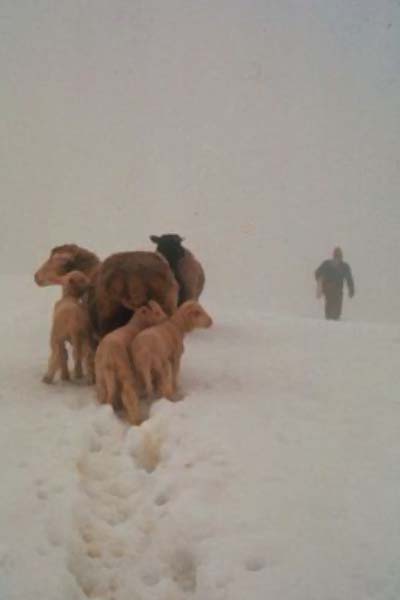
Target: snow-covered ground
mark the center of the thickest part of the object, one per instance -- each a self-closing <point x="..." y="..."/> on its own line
<point x="265" y="132"/>
<point x="277" y="476"/>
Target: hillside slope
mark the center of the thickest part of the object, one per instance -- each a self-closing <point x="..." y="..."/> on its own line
<point x="277" y="476"/>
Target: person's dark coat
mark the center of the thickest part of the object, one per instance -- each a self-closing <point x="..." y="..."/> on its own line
<point x="332" y="275"/>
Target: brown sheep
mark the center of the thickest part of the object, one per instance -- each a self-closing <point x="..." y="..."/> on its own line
<point x="187" y="270"/>
<point x="121" y="284"/>
<point x="71" y="324"/>
<point x="62" y="260"/>
<point x="156" y="352"/>
<point x="128" y="280"/>
<point x="114" y="377"/>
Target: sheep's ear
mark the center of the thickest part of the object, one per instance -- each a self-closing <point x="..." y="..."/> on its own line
<point x="156" y="308"/>
<point x="155" y="239"/>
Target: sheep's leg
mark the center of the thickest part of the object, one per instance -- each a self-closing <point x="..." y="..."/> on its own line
<point x="111" y="386"/>
<point x="148" y="382"/>
<point x="101" y="389"/>
<point x="53" y="366"/>
<point x="175" y="366"/>
<point x="89" y="361"/>
<point x="166" y="381"/>
<point x="77" y="355"/>
<point x="130" y="402"/>
<point x="63" y="362"/>
<point x="157" y="374"/>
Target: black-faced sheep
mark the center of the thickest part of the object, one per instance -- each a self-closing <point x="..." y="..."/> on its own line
<point x="187" y="270"/>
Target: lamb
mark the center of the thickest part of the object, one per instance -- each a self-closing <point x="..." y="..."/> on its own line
<point x="187" y="270"/>
<point x="114" y="377"/>
<point x="119" y="285"/>
<point x="156" y="352"/>
<point x="71" y="324"/>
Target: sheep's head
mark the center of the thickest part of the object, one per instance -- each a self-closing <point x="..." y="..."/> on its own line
<point x="63" y="260"/>
<point x="158" y="313"/>
<point x="170" y="246"/>
<point x="195" y="316"/>
<point x="59" y="263"/>
<point x="149" y="315"/>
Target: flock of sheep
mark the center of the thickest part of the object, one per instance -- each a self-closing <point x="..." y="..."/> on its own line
<point x="125" y="319"/>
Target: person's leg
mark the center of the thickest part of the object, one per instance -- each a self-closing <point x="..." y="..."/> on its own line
<point x="329" y="305"/>
<point x="337" y="305"/>
<point x="333" y="303"/>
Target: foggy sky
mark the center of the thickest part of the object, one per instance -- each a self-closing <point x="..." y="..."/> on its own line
<point x="266" y="132"/>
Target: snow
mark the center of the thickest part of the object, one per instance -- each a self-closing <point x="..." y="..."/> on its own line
<point x="276" y="476"/>
<point x="265" y="132"/>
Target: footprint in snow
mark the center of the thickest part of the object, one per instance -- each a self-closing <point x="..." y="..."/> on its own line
<point x="254" y="564"/>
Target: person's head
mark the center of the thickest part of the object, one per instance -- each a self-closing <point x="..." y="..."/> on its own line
<point x="337" y="254"/>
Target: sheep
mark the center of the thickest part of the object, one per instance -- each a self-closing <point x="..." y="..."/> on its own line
<point x="113" y="368"/>
<point x="156" y="352"/>
<point x="71" y="323"/>
<point x="187" y="270"/>
<point x="119" y="285"/>
<point x="126" y="281"/>
<point x="64" y="259"/>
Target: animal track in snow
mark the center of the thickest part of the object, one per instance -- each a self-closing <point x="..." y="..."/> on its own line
<point x="145" y="447"/>
<point x="150" y="575"/>
<point x="184" y="569"/>
<point x="255" y="564"/>
<point x="161" y="499"/>
<point x="103" y="505"/>
<point x="42" y="494"/>
<point x="126" y="529"/>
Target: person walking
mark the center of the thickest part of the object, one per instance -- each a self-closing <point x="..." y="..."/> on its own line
<point x="330" y="277"/>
